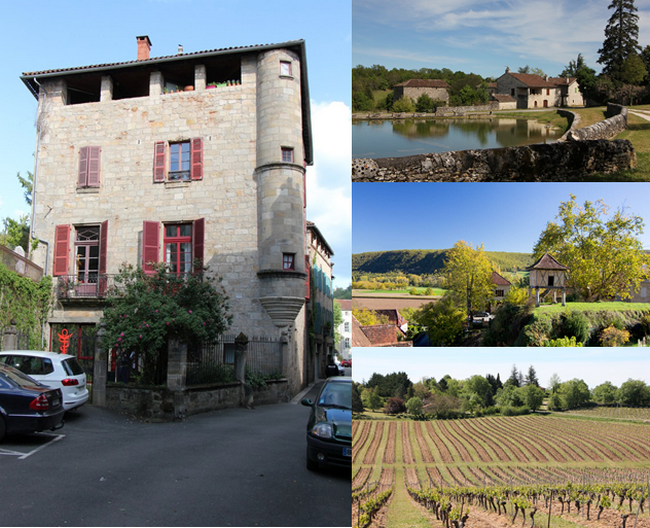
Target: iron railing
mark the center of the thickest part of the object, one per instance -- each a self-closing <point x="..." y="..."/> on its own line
<point x="92" y="286"/>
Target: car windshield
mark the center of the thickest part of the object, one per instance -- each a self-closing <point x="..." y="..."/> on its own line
<point x="336" y="395"/>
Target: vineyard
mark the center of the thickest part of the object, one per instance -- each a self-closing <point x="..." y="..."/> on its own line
<point x="533" y="471"/>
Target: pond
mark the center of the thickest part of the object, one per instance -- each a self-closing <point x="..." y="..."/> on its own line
<point x="407" y="137"/>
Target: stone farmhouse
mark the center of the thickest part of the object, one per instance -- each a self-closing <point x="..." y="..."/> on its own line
<point x="165" y="160"/>
<point x="501" y="286"/>
<point x="533" y="91"/>
<point x="437" y="89"/>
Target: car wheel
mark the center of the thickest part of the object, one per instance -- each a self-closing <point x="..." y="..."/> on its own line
<point x="311" y="465"/>
<point x="3" y="429"/>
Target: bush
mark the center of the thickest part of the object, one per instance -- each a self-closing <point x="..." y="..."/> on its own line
<point x="404" y="104"/>
<point x="539" y="331"/>
<point x="564" y="342"/>
<point x="613" y="337"/>
<point x="575" y="324"/>
<point x="395" y="406"/>
<point x="424" y="104"/>
<point x="515" y="411"/>
<point x="504" y="329"/>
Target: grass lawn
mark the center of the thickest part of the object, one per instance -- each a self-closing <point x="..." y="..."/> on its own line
<point x="593" y="307"/>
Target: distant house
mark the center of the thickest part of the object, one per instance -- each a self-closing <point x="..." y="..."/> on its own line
<point x="569" y="93"/>
<point x="530" y="91"/>
<point x="437" y="89"/>
<point x="345" y="328"/>
<point x="381" y="335"/>
<point x="506" y="102"/>
<point x="549" y="275"/>
<point x="394" y="318"/>
<point x="501" y="286"/>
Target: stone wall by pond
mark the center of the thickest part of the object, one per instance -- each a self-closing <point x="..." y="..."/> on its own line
<point x="580" y="152"/>
<point x="542" y="162"/>
<point x="163" y="405"/>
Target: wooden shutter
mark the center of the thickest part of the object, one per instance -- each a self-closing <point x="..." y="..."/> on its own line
<point x="82" y="177"/>
<point x="308" y="281"/>
<point x="150" y="237"/>
<point x="197" y="158"/>
<point x="160" y="155"/>
<point x="93" y="166"/>
<point x="103" y="251"/>
<point x="61" y="250"/>
<point x="198" y="240"/>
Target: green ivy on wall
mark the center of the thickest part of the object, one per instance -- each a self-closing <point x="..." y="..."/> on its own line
<point x="25" y="302"/>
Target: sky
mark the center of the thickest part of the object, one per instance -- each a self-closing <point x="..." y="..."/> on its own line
<point x="44" y="35"/>
<point x="475" y="36"/>
<point x="592" y="365"/>
<point x="502" y="216"/>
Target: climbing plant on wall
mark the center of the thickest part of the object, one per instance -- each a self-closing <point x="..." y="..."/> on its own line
<point x="24" y="303"/>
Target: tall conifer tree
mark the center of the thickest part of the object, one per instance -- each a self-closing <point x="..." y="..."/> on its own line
<point x="621" y="38"/>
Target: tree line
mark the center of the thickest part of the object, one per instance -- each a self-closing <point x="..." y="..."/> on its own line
<point x="485" y="395"/>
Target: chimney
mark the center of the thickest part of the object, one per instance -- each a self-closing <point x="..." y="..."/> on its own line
<point x="144" y="47"/>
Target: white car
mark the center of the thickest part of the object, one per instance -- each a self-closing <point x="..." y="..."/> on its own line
<point x="59" y="371"/>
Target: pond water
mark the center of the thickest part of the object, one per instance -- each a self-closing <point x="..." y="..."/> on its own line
<point x="406" y="137"/>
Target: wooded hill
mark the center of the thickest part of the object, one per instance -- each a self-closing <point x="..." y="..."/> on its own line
<point x="426" y="261"/>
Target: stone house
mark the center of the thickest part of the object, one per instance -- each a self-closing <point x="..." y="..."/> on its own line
<point x="505" y="102"/>
<point x="569" y="93"/>
<point x="170" y="159"/>
<point x="530" y="91"/>
<point x="320" y="308"/>
<point x="437" y="89"/>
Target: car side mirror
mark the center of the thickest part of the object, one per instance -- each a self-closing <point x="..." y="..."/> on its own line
<point x="307" y="402"/>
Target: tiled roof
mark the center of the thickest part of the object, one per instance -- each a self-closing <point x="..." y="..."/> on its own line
<point x="425" y="83"/>
<point x="359" y="338"/>
<point x="217" y="51"/>
<point x="532" y="81"/>
<point x="499" y="280"/>
<point x="562" y="81"/>
<point x="346" y="304"/>
<point x="546" y="262"/>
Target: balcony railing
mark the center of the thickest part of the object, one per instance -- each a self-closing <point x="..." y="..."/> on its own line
<point x="74" y="287"/>
<point x="20" y="264"/>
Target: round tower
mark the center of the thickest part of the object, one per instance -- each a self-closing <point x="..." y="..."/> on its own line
<point x="280" y="186"/>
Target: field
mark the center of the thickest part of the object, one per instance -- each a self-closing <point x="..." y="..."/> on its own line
<point x="594" y="307"/>
<point x="387" y="300"/>
<point x="415" y="467"/>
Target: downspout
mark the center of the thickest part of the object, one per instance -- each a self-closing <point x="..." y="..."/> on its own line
<point x="32" y="235"/>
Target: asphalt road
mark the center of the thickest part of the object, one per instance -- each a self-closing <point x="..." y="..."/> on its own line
<point x="236" y="467"/>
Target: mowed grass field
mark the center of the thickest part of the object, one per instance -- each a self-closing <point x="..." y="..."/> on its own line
<point x="494" y="451"/>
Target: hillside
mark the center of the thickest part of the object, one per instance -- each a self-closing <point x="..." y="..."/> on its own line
<point x="428" y="261"/>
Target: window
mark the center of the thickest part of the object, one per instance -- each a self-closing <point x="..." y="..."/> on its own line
<point x="347" y="327"/>
<point x="183" y="244"/>
<point x="285" y="68"/>
<point x="178" y="161"/>
<point x="86" y="249"/>
<point x="498" y="293"/>
<point x="90" y="252"/>
<point x="178" y="248"/>
<point x="347" y="342"/>
<point x="551" y="280"/>
<point x="288" y="261"/>
<point x="88" y="174"/>
<point x="287" y="155"/>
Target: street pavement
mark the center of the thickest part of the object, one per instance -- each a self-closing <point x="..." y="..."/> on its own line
<point x="236" y="467"/>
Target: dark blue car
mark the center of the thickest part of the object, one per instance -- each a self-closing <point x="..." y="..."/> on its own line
<point x="329" y="428"/>
<point x="26" y="406"/>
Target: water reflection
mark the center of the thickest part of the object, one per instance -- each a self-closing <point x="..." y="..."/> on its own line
<point x="405" y="137"/>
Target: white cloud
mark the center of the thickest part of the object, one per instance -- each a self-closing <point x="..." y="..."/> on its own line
<point x="329" y="201"/>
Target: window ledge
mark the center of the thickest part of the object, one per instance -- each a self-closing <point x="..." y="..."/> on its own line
<point x="176" y="184"/>
<point x="287" y="77"/>
<point x="88" y="190"/>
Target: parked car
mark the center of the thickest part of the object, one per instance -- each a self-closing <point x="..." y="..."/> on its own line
<point x="58" y="371"/>
<point x="329" y="427"/>
<point x="481" y="317"/>
<point x="346" y="362"/>
<point x="26" y="406"/>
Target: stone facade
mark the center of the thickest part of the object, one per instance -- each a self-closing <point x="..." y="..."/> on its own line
<point x="106" y="147"/>
<point x="530" y="91"/>
<point x="437" y="89"/>
<point x="568" y="91"/>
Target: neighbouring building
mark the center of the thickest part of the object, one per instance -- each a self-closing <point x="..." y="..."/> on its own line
<point x="501" y="286"/>
<point x="320" y="309"/>
<point x="344" y="345"/>
<point x="569" y="93"/>
<point x="548" y="275"/>
<point x="188" y="156"/>
<point x="506" y="102"/>
<point x="437" y="89"/>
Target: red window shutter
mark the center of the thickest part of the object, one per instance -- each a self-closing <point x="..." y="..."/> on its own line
<point x="93" y="166"/>
<point x="308" y="281"/>
<point x="197" y="159"/>
<point x="160" y="154"/>
<point x="198" y="239"/>
<point x="150" y="237"/>
<point x="82" y="178"/>
<point x="103" y="251"/>
<point x="61" y="250"/>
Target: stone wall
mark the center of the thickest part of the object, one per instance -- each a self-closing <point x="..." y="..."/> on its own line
<point x="606" y="129"/>
<point x="542" y="162"/>
<point x="162" y="404"/>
